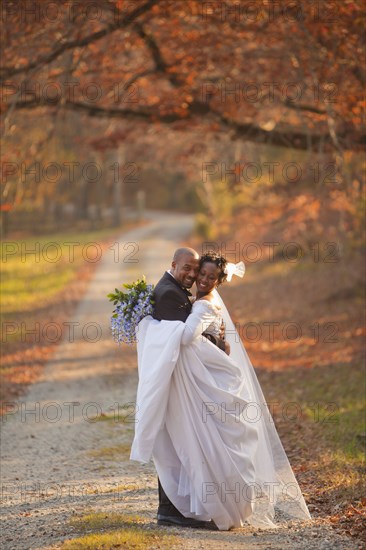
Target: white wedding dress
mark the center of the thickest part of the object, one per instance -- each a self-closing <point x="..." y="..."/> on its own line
<point x="202" y="417"/>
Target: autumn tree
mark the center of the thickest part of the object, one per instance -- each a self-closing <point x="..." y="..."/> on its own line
<point x="280" y="73"/>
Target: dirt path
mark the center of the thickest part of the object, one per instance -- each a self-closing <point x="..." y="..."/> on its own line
<point x="63" y="453"/>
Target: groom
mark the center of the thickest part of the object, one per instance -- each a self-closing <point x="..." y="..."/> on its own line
<point x="172" y="303"/>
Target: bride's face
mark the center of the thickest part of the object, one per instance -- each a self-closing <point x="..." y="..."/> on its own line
<point x="208" y="277"/>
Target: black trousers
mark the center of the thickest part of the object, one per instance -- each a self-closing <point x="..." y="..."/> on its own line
<point x="166" y="507"/>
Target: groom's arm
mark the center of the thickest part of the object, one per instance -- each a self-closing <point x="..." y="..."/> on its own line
<point x="226" y="345"/>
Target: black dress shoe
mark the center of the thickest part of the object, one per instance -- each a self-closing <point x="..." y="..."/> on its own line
<point x="185" y="522"/>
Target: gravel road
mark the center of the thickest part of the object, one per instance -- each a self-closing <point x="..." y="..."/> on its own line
<point x="65" y="444"/>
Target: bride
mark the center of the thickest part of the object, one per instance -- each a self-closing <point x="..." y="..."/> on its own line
<point x="202" y="417"/>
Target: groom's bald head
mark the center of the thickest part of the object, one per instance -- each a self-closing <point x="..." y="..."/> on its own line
<point x="185" y="266"/>
<point x="185" y="251"/>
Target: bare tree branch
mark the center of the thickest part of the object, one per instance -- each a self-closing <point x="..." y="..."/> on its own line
<point x="245" y="131"/>
<point x="160" y="65"/>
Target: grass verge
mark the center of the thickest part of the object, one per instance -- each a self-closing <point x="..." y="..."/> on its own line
<point x="117" y="531"/>
<point x="35" y="269"/>
<point x="111" y="453"/>
<point x="39" y="291"/>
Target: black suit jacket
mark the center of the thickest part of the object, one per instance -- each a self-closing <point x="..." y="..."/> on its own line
<point x="171" y="300"/>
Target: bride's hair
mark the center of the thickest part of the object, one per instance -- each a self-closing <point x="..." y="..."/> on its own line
<point x="220" y="261"/>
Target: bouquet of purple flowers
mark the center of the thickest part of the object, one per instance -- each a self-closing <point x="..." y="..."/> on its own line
<point x="131" y="307"/>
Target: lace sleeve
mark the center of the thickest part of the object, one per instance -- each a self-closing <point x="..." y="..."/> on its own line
<point x="203" y="314"/>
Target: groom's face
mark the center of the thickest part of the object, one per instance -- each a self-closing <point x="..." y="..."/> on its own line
<point x="185" y="269"/>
